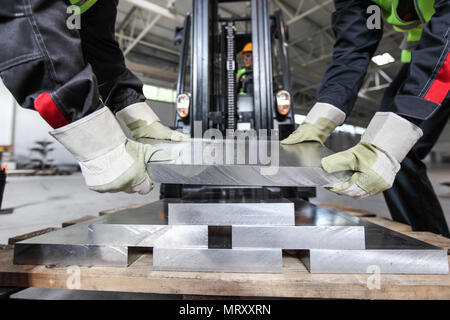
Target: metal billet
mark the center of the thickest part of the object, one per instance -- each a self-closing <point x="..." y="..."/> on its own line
<point x="213" y="213"/>
<point x="300" y="237"/>
<point x="244" y="163"/>
<point x="218" y="260"/>
<point x="393" y="261"/>
<point x="327" y="241"/>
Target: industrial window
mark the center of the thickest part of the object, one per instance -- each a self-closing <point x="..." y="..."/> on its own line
<point x="160" y="94"/>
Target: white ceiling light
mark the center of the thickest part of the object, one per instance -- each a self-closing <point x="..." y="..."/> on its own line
<point x="383" y="59"/>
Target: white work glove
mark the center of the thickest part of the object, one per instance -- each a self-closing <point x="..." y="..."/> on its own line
<point x="145" y="124"/>
<point x="318" y="125"/>
<point x="376" y="160"/>
<point x="109" y="161"/>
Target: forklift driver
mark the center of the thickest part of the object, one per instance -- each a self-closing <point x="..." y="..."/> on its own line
<point x="244" y="76"/>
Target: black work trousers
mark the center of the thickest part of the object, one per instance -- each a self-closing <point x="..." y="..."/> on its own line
<point x="412" y="199"/>
<point x="64" y="74"/>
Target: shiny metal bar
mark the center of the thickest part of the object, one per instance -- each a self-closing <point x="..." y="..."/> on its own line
<point x="395" y="261"/>
<point x="75" y="254"/>
<point x="386" y="251"/>
<point x="301" y="237"/>
<point x="391" y="251"/>
<point x="218" y="260"/>
<point x="258" y="163"/>
<point x="213" y="213"/>
<point x="295" y="238"/>
<point x="147" y="236"/>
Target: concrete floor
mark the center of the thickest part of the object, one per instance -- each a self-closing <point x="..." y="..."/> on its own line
<point x="42" y="202"/>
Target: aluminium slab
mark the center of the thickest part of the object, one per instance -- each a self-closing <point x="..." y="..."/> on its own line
<point x="382" y="245"/>
<point x="269" y="212"/>
<point x="391" y="261"/>
<point x="217" y="260"/>
<point x="300" y="237"/>
<point x="208" y="162"/>
<point x="386" y="251"/>
<point x="148" y="236"/>
<point x="75" y="255"/>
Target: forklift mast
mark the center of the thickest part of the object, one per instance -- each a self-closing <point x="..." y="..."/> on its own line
<point x="210" y="45"/>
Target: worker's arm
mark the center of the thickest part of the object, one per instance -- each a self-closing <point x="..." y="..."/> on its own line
<point x="109" y="161"/>
<point x="391" y="135"/>
<point x="355" y="45"/>
<point x="352" y="53"/>
<point x="428" y="82"/>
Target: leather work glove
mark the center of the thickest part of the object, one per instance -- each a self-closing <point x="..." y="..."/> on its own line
<point x="318" y="125"/>
<point x="376" y="160"/>
<point x="109" y="161"/>
<point x="145" y="124"/>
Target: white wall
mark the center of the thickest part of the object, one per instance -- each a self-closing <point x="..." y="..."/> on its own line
<point x="6" y="115"/>
<point x="30" y="127"/>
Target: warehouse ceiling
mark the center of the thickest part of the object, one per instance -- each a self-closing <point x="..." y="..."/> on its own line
<point x="145" y="30"/>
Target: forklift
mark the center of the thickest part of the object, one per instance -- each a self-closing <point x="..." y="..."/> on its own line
<point x="210" y="45"/>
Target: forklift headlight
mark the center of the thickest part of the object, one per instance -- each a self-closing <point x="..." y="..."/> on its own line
<point x="183" y="103"/>
<point x="283" y="102"/>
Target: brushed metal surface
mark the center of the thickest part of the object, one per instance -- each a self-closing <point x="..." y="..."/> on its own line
<point x="147" y="236"/>
<point x="290" y="166"/>
<point x="300" y="237"/>
<point x="391" y="261"/>
<point x="227" y="214"/>
<point x="75" y="255"/>
<point x="218" y="260"/>
<point x="391" y="251"/>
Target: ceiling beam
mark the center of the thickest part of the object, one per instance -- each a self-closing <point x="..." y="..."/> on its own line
<point x="157" y="9"/>
<point x="308" y="12"/>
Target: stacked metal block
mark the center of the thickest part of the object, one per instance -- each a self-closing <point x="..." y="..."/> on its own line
<point x="326" y="241"/>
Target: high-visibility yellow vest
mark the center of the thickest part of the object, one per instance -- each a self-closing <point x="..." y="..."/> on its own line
<point x="83" y="4"/>
<point x="412" y="29"/>
<point x="241" y="74"/>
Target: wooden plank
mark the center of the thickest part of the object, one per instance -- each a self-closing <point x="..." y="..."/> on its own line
<point x="352" y="211"/>
<point x="431" y="238"/>
<point x="29" y="235"/>
<point x="72" y="222"/>
<point x="110" y="211"/>
<point x="393" y="225"/>
<point x="295" y="281"/>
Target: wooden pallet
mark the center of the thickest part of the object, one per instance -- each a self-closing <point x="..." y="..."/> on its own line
<point x="295" y="281"/>
<point x="29" y="235"/>
<point x="79" y="220"/>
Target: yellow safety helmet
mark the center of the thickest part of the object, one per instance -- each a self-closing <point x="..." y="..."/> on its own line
<point x="248" y="48"/>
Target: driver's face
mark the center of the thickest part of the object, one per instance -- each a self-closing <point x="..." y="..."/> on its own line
<point x="248" y="59"/>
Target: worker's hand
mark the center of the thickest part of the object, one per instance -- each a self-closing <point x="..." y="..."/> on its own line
<point x="132" y="178"/>
<point x="109" y="161"/>
<point x="144" y="124"/>
<point x="376" y="160"/>
<point x="318" y="125"/>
